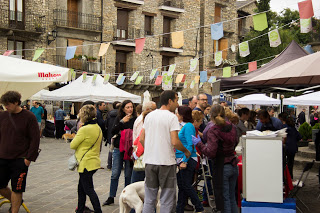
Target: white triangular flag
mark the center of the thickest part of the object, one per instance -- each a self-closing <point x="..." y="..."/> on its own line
<point x="180" y="99"/>
<point x="172" y="67"/>
<point x="134" y="76"/>
<point x="274" y="38"/>
<point x="244" y="49"/>
<point x="192" y="84"/>
<point x="305" y="25"/>
<point x="185" y="85"/>
<point x="218" y="58"/>
<point x="201" y="84"/>
<point x="193" y="64"/>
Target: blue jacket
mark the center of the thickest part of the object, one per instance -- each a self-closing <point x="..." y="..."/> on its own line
<point x="185" y="136"/>
<point x="59" y="115"/>
<point x="275" y="124"/>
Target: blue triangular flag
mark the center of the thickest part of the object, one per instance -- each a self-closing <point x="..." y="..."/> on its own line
<point x="70" y="52"/>
<point x="308" y="49"/>
<point x="203" y="76"/>
<point x="122" y="80"/>
<point x="216" y="31"/>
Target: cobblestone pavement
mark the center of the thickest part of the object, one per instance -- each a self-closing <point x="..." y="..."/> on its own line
<point x="51" y="187"/>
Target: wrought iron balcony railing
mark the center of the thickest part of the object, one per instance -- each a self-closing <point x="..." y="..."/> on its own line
<point x="172" y="3"/>
<point x="124" y="33"/>
<point x="79" y="64"/>
<point x="65" y="18"/>
<point x="11" y="19"/>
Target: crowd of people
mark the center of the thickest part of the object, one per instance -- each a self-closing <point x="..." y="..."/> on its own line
<point x="168" y="141"/>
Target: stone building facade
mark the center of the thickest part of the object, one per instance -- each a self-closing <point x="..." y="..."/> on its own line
<point x="56" y="24"/>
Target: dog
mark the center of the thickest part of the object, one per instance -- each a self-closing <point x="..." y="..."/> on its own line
<point x="68" y="137"/>
<point x="132" y="197"/>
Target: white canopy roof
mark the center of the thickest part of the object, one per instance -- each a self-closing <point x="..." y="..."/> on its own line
<point x="259" y="99"/>
<point x="310" y="99"/>
<point x="37" y="96"/>
<point x="28" y="77"/>
<point x="79" y="91"/>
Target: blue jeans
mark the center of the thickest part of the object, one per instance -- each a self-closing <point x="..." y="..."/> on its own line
<point x="117" y="164"/>
<point x="185" y="179"/>
<point x="137" y="176"/>
<point x="230" y="175"/>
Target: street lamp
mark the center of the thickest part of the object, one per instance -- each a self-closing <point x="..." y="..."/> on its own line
<point x="51" y="36"/>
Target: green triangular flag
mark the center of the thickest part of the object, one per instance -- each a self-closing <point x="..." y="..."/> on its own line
<point x="260" y="22"/>
<point x="153" y="73"/>
<point x="94" y="78"/>
<point x="192" y="84"/>
<point x="84" y="74"/>
<point x="106" y="78"/>
<point x="37" y="54"/>
<point x="201" y="84"/>
<point x="134" y="76"/>
<point x="73" y="74"/>
<point x="227" y="72"/>
<point x="138" y="80"/>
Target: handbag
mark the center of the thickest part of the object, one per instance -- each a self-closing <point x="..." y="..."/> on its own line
<point x="73" y="162"/>
<point x="139" y="164"/>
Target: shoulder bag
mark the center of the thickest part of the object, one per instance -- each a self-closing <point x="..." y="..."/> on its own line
<point x="73" y="162"/>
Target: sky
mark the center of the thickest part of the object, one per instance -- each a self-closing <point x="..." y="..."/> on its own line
<point x="279" y="5"/>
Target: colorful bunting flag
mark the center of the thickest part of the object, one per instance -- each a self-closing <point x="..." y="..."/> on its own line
<point x="73" y="74"/>
<point x="247" y="71"/>
<point x="172" y="67"/>
<point x="305" y="9"/>
<point x="201" y="84"/>
<point x="153" y="73"/>
<point x="212" y="79"/>
<point x="138" y="81"/>
<point x="305" y="25"/>
<point x="244" y="49"/>
<point x="106" y="78"/>
<point x="103" y="49"/>
<point x="218" y="58"/>
<point x="94" y="78"/>
<point x="217" y="31"/>
<point x="166" y="81"/>
<point x="183" y="79"/>
<point x="196" y="79"/>
<point x="274" y="38"/>
<point x="140" y="45"/>
<point x="158" y="80"/>
<point x="236" y="74"/>
<point x="252" y="66"/>
<point x="8" y="52"/>
<point x="156" y="75"/>
<point x="192" y="84"/>
<point x="193" y="64"/>
<point x="37" y="54"/>
<point x="260" y="22"/>
<point x="122" y="80"/>
<point x="185" y="85"/>
<point x="119" y="78"/>
<point x="179" y="78"/>
<point x="71" y="50"/>
<point x="177" y="39"/>
<point x="226" y="72"/>
<point x="203" y="76"/>
<point x="134" y="76"/>
<point x="84" y="76"/>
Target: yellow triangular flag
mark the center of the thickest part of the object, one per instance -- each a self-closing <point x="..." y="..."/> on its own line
<point x="177" y="39"/>
<point x="197" y="79"/>
<point x="103" y="49"/>
<point x="179" y="78"/>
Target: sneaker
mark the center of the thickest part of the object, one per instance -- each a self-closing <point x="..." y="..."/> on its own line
<point x="205" y="203"/>
<point x="87" y="210"/>
<point x="188" y="207"/>
<point x="108" y="202"/>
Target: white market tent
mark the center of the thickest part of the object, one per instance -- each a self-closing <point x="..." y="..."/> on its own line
<point x="79" y="91"/>
<point x="28" y="77"/>
<point x="258" y="99"/>
<point x="37" y="96"/>
<point x="310" y="99"/>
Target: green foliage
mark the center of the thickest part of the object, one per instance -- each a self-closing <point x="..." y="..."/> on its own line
<point x="316" y="126"/>
<point x="306" y="131"/>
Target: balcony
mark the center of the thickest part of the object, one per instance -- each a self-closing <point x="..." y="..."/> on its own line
<point x="125" y="36"/>
<point x="76" y="20"/>
<point x="22" y="21"/>
<point x="172" y="6"/>
<point x="165" y="44"/>
<point x="79" y="64"/>
<point x="228" y="26"/>
<point x="139" y="2"/>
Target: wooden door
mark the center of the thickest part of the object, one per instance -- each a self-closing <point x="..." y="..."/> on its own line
<point x="72" y="13"/>
<point x="223" y="45"/>
<point x="217" y="14"/>
<point x="147" y="25"/>
<point x="122" y="24"/>
<point x="166" y="29"/>
<point x="121" y="62"/>
<point x="165" y="63"/>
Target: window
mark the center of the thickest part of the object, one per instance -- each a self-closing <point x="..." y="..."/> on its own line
<point x="122" y="24"/>
<point x="222" y="44"/>
<point x="166" y="62"/>
<point x="121" y="62"/>
<point x="148" y="25"/>
<point x="18" y="46"/>
<point x="17" y="14"/>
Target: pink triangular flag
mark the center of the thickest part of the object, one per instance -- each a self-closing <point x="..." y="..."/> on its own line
<point x="252" y="66"/>
<point x="158" y="80"/>
<point x="140" y="44"/>
<point x="305" y="9"/>
<point x="8" y="52"/>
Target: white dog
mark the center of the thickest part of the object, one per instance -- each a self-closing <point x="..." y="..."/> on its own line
<point x="132" y="197"/>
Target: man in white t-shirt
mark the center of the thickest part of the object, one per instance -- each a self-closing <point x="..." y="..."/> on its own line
<point x="159" y="138"/>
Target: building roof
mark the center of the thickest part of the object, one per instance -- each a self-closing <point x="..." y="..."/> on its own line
<point x="244" y="3"/>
